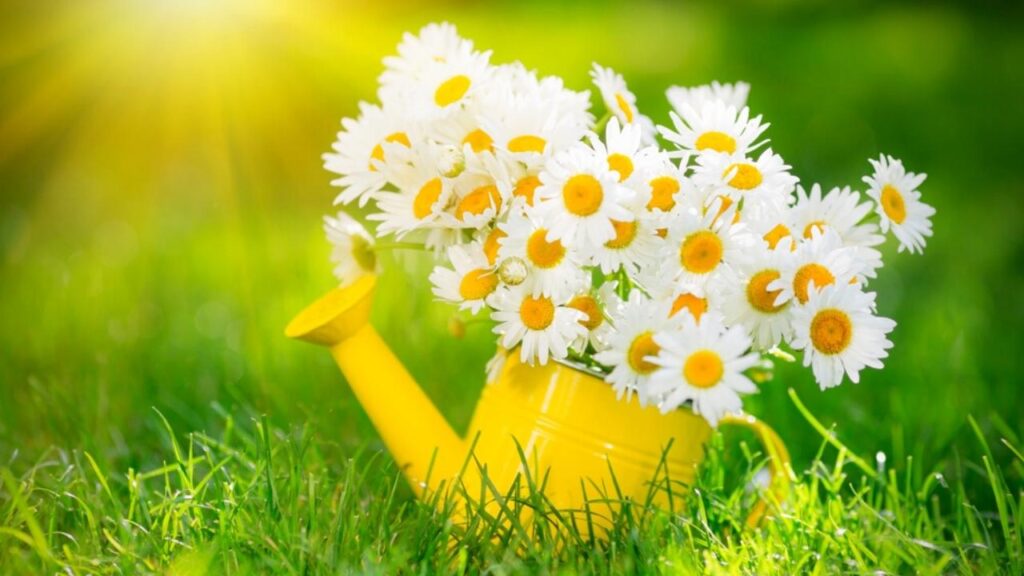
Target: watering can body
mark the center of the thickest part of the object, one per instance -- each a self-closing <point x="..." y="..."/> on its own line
<point x="560" y="427"/>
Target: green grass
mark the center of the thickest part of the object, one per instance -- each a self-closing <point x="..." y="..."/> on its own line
<point x="256" y="499"/>
<point x="154" y="419"/>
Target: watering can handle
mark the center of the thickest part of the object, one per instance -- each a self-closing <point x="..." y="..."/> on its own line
<point x="779" y="465"/>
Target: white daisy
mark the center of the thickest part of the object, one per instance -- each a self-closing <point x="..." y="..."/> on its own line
<point x="707" y="200"/>
<point x="762" y="183"/>
<point x="579" y="196"/>
<point x="525" y="181"/>
<point x="619" y="100"/>
<point x="631" y="344"/>
<point x="702" y="363"/>
<point x="899" y="203"/>
<point x="489" y="239"/>
<point x="665" y="183"/>
<point x="689" y="297"/>
<point x="464" y="128"/>
<point x="470" y="280"/>
<point x="694" y="301"/>
<point x="532" y="130"/>
<point x="423" y="193"/>
<point x="436" y="42"/>
<point x="359" y="151"/>
<point x="352" y="248"/>
<point x="440" y="236"/>
<point x="543" y="327"/>
<point x="571" y="105"/>
<point x="482" y="120"/>
<point x="839" y="334"/>
<point x="552" y="265"/>
<point x="442" y="87"/>
<point x="516" y="81"/>
<point x="699" y="243"/>
<point x="635" y="246"/>
<point x="481" y="191"/>
<point x="622" y="149"/>
<point x="842" y="211"/>
<point x="773" y="225"/>
<point x="816" y="263"/>
<point x="734" y="95"/>
<point x="747" y="300"/>
<point x="714" y="127"/>
<point x="593" y="304"/>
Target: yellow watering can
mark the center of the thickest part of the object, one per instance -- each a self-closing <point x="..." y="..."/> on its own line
<point x="567" y="422"/>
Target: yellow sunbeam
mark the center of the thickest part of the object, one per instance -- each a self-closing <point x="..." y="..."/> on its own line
<point x="144" y="84"/>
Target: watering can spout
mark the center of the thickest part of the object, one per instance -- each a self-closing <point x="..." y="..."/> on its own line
<point x="426" y="448"/>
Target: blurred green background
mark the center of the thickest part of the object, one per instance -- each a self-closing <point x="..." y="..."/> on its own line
<point x="161" y="192"/>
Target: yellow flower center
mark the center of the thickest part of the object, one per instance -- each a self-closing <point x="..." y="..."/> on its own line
<point x="624" y="106"/>
<point x="625" y="232"/>
<point x="831" y="331"/>
<point x="717" y="141"/>
<point x="694" y="304"/>
<point x="537" y="313"/>
<point x="747" y="176"/>
<point x="589" y="306"/>
<point x="423" y="203"/>
<point x="775" y="235"/>
<point x="622" y="164"/>
<point x="378" y="151"/>
<point x="808" y="273"/>
<point x="451" y="90"/>
<point x="816" y="226"/>
<point x="892" y="204"/>
<point x="525" y="187"/>
<point x="663" y="191"/>
<point x="542" y="253"/>
<point x="701" y="252"/>
<point x="582" y="195"/>
<point x="527" y="143"/>
<point x="478" y="201"/>
<point x="642" y="347"/>
<point x="491" y="245"/>
<point x="703" y="369"/>
<point x="477" y="284"/>
<point x="758" y="294"/>
<point x="479" y="141"/>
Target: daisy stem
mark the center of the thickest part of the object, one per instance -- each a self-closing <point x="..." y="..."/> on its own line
<point x="830" y="436"/>
<point x="780" y="353"/>
<point x="587" y="359"/>
<point x="602" y="122"/>
<point x="625" y="283"/>
<point x="398" y="246"/>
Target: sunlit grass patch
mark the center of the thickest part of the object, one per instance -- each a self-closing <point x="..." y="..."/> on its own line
<point x="255" y="498"/>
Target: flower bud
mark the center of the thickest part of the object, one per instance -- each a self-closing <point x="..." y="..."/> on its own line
<point x="512" y="271"/>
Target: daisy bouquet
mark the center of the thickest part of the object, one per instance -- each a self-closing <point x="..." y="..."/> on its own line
<point x="676" y="260"/>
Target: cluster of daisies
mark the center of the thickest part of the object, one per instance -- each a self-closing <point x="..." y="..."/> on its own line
<point x="675" y="269"/>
